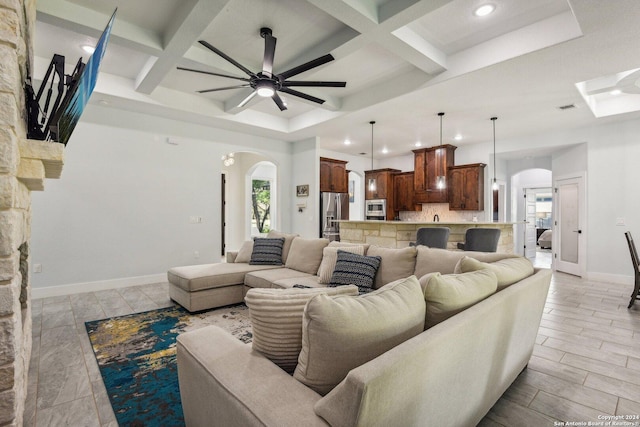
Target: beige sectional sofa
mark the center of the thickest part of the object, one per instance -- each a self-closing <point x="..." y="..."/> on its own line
<point x="449" y="374"/>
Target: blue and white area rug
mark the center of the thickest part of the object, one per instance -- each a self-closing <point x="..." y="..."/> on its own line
<point x="137" y="359"/>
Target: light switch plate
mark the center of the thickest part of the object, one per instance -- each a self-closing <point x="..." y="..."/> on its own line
<point x="620" y="221"/>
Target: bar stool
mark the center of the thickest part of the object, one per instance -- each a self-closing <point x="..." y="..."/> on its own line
<point x="636" y="268"/>
<point x="481" y="239"/>
<point x="433" y="237"/>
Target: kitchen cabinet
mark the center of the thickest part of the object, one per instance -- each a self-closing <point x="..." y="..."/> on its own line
<point x="428" y="164"/>
<point x="383" y="179"/>
<point x="333" y="175"/>
<point x="403" y="189"/>
<point x="466" y="187"/>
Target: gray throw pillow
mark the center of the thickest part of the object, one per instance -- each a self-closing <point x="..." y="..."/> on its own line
<point x="354" y="269"/>
<point x="267" y="251"/>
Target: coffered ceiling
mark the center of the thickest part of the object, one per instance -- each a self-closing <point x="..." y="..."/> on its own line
<point x="403" y="61"/>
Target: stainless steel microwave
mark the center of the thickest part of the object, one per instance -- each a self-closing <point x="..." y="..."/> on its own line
<point x="376" y="209"/>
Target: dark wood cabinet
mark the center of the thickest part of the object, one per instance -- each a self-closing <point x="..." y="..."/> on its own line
<point x="383" y="179"/>
<point x="466" y="187"/>
<point x="429" y="163"/>
<point x="333" y="175"/>
<point x="403" y="189"/>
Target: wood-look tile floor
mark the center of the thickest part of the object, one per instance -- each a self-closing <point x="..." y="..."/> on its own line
<point x="585" y="364"/>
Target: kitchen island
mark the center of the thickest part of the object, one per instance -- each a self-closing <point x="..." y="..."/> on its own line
<point x="398" y="234"/>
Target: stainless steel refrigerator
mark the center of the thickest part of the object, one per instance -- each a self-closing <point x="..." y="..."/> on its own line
<point x="333" y="207"/>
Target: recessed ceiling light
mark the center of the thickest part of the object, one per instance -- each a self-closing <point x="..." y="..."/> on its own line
<point x="484" y="10"/>
<point x="347" y="142"/>
<point x="615" y="92"/>
<point x="418" y="144"/>
<point x="88" y="48"/>
<point x="458" y="137"/>
<point x="384" y="150"/>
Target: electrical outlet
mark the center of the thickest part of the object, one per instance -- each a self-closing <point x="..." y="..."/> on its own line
<point x="37" y="268"/>
<point x="620" y="222"/>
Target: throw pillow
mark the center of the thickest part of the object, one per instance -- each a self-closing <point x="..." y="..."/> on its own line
<point x="276" y="320"/>
<point x="450" y="294"/>
<point x="245" y="251"/>
<point x="508" y="271"/>
<point x="394" y="263"/>
<point x="288" y="238"/>
<point x="342" y="333"/>
<point x="354" y="269"/>
<point x="329" y="258"/>
<point x="267" y="251"/>
<point x="306" y="254"/>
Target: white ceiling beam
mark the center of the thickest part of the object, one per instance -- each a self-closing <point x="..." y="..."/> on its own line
<point x="186" y="30"/>
<point x="76" y="18"/>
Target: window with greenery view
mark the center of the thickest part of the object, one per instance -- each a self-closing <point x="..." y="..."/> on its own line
<point x="261" y="204"/>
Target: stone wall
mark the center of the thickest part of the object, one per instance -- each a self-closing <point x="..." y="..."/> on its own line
<point x="16" y="17"/>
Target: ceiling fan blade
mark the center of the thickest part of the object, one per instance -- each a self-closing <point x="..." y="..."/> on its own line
<point x="269" y="53"/>
<point x="212" y="74"/>
<point x="276" y="98"/>
<point x="291" y="83"/>
<point x="307" y="66"/>
<point x="222" y="88"/>
<point x="247" y="99"/>
<point x="302" y="95"/>
<point x="227" y="57"/>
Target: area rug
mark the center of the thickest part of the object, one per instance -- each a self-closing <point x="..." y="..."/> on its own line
<point x="137" y="359"/>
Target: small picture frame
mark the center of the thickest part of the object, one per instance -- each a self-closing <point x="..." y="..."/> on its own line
<point x="302" y="190"/>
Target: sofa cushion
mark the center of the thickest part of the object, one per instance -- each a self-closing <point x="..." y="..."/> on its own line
<point x="339" y="244"/>
<point x="193" y="278"/>
<point x="394" y="264"/>
<point x="447" y="295"/>
<point x="266" y="280"/>
<point x="341" y="333"/>
<point x="508" y="271"/>
<point x="267" y="251"/>
<point x="288" y="238"/>
<point x="245" y="251"/>
<point x="431" y="260"/>
<point x="354" y="269"/>
<point x="306" y="254"/>
<point x="308" y="281"/>
<point x="329" y="258"/>
<point x="276" y="320"/>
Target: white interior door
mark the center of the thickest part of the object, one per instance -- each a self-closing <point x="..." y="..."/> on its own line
<point x="530" y="226"/>
<point x="569" y="245"/>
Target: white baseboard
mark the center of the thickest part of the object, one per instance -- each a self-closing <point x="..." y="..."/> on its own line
<point x="100" y="285"/>
<point x="611" y="278"/>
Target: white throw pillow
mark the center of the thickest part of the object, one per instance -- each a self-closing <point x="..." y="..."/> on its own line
<point x="447" y="295"/>
<point x="342" y="333"/>
<point x="329" y="258"/>
<point x="244" y="253"/>
<point x="276" y="320"/>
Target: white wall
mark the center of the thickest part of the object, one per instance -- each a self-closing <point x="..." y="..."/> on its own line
<point x="122" y="206"/>
<point x="306" y="171"/>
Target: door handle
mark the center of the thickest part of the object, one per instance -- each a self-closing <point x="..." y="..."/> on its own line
<point x="577" y="231"/>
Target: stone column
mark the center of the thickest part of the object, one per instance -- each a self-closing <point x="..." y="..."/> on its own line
<point x="16" y="17"/>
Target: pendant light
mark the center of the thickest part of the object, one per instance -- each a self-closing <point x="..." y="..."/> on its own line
<point x="441" y="180"/>
<point x="494" y="186"/>
<point x="372" y="181"/>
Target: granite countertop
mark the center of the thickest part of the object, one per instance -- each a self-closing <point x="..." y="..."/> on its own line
<point x="431" y="222"/>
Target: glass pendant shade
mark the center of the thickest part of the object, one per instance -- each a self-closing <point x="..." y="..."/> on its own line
<point x="441" y="182"/>
<point x="372" y="181"/>
<point x="372" y="184"/>
<point x="494" y="186"/>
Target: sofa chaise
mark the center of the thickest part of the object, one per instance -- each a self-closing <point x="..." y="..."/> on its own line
<point x="448" y="372"/>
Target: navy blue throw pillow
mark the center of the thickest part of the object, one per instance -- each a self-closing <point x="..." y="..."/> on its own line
<point x="354" y="269"/>
<point x="267" y="251"/>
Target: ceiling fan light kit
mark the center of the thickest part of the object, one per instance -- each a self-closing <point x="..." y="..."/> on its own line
<point x="265" y="83"/>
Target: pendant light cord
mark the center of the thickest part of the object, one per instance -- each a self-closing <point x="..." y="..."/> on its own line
<point x="440" y="150"/>
<point x="493" y="119"/>
<point x="372" y="123"/>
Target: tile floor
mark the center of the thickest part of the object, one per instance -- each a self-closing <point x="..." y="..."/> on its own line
<point x="585" y="364"/>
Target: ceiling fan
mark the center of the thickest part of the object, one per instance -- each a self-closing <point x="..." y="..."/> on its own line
<point x="265" y="83"/>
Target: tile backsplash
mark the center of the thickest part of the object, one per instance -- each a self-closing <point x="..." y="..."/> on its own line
<point x="442" y="210"/>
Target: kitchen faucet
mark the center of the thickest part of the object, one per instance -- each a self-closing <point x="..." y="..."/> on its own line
<point x="436" y="218"/>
